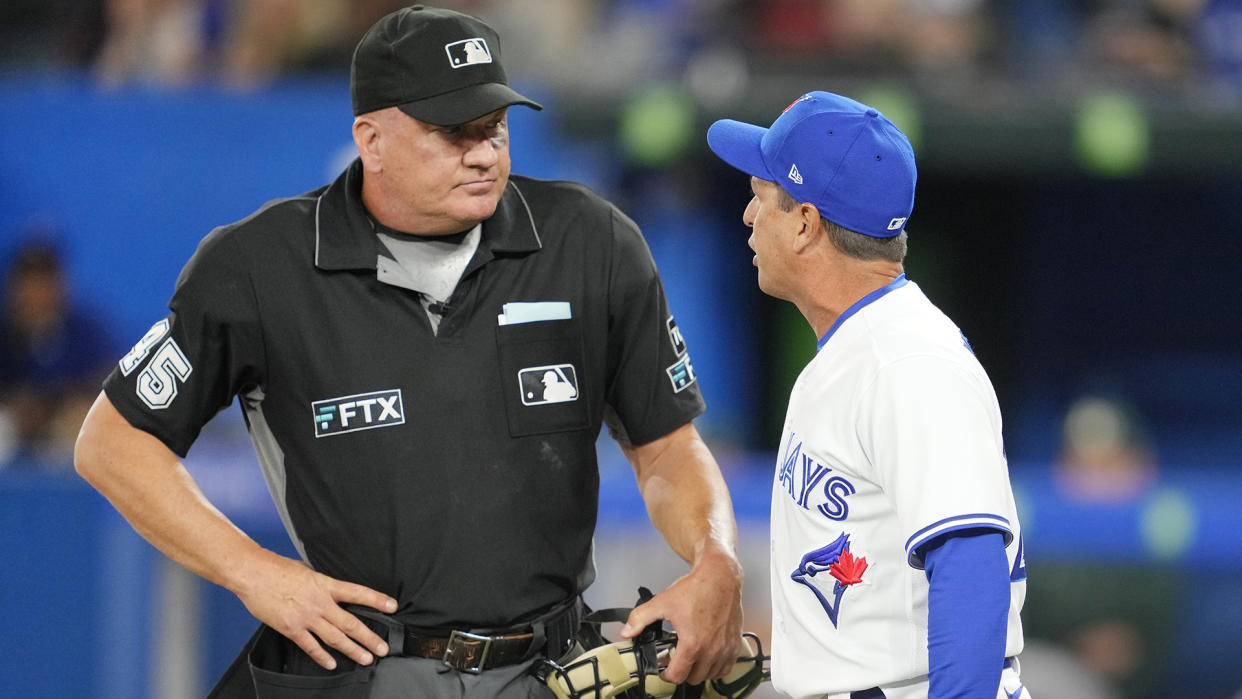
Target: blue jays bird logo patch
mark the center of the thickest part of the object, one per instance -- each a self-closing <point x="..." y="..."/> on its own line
<point x="843" y="568"/>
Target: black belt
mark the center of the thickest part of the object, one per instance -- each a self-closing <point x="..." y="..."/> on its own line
<point x="470" y="651"/>
<point x="875" y="693"/>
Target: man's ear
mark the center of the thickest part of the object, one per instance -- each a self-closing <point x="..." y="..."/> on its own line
<point x="812" y="227"/>
<point x="366" y="138"/>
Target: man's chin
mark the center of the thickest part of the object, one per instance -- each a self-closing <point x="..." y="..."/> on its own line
<point x="768" y="289"/>
<point x="477" y="214"/>
<point x="478" y="203"/>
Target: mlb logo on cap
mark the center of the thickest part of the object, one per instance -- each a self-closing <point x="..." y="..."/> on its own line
<point x="468" y="52"/>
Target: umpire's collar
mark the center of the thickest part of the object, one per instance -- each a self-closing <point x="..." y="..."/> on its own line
<point x="344" y="238"/>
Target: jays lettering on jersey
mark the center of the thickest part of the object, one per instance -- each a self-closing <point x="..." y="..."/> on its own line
<point x="892" y="437"/>
<point x="425" y="465"/>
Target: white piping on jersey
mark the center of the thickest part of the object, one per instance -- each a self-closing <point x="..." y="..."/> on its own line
<point x="318" y="201"/>
<point x="531" y="217"/>
<point x="979" y="520"/>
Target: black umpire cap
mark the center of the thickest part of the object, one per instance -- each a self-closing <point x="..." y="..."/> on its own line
<point x="439" y="66"/>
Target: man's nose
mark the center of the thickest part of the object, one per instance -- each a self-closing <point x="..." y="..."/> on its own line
<point x="483" y="153"/>
<point x="748" y="216"/>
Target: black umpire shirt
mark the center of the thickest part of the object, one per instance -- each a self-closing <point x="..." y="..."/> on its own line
<point x="454" y="471"/>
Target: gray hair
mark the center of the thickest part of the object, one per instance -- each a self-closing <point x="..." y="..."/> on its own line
<point x="852" y="244"/>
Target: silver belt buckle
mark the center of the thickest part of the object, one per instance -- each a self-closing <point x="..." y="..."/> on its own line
<point x="460" y="652"/>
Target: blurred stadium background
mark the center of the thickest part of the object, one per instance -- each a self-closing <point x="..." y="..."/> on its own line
<point x="1079" y="213"/>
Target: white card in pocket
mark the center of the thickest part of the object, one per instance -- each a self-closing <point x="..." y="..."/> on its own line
<point x="517" y="312"/>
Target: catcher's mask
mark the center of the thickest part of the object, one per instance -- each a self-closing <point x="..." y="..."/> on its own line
<point x="630" y="669"/>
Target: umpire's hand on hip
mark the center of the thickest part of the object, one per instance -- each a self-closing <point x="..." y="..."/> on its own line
<point x="305" y="607"/>
<point x="704" y="607"/>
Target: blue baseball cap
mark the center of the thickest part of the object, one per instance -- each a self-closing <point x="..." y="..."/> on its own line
<point x="844" y="157"/>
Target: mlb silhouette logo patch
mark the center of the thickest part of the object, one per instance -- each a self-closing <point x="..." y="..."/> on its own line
<point x="554" y="383"/>
<point x="468" y="52"/>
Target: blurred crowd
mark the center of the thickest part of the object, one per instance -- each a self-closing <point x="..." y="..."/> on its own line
<point x="713" y="44"/>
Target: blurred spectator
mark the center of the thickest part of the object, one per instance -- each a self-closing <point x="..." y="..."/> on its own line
<point x="1105" y="454"/>
<point x="1147" y="38"/>
<point x="1051" y="670"/>
<point x="242" y="43"/>
<point x="155" y="41"/>
<point x="269" y="38"/>
<point x="598" y="47"/>
<point x="854" y="34"/>
<point x="1219" y="36"/>
<point x="948" y="35"/>
<point x="927" y="36"/>
<point x="53" y="358"/>
<point x="1039" y="38"/>
<point x="1118" y="621"/>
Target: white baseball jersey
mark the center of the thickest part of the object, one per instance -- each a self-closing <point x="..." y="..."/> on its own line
<point x="893" y="436"/>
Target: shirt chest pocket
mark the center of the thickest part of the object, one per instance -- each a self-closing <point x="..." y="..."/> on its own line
<point x="543" y="378"/>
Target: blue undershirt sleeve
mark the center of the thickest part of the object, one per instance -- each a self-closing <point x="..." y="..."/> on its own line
<point x="968" y="612"/>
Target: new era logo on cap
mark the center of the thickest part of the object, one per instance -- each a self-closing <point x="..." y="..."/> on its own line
<point x="468" y="52"/>
<point x="794" y="174"/>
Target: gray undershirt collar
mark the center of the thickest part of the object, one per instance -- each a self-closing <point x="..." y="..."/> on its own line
<point x="431" y="266"/>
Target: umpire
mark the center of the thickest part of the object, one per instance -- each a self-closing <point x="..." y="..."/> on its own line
<point x="424" y="351"/>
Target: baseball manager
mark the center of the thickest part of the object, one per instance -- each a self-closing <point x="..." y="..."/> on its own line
<point x="424" y="351"/>
<point x="896" y="551"/>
